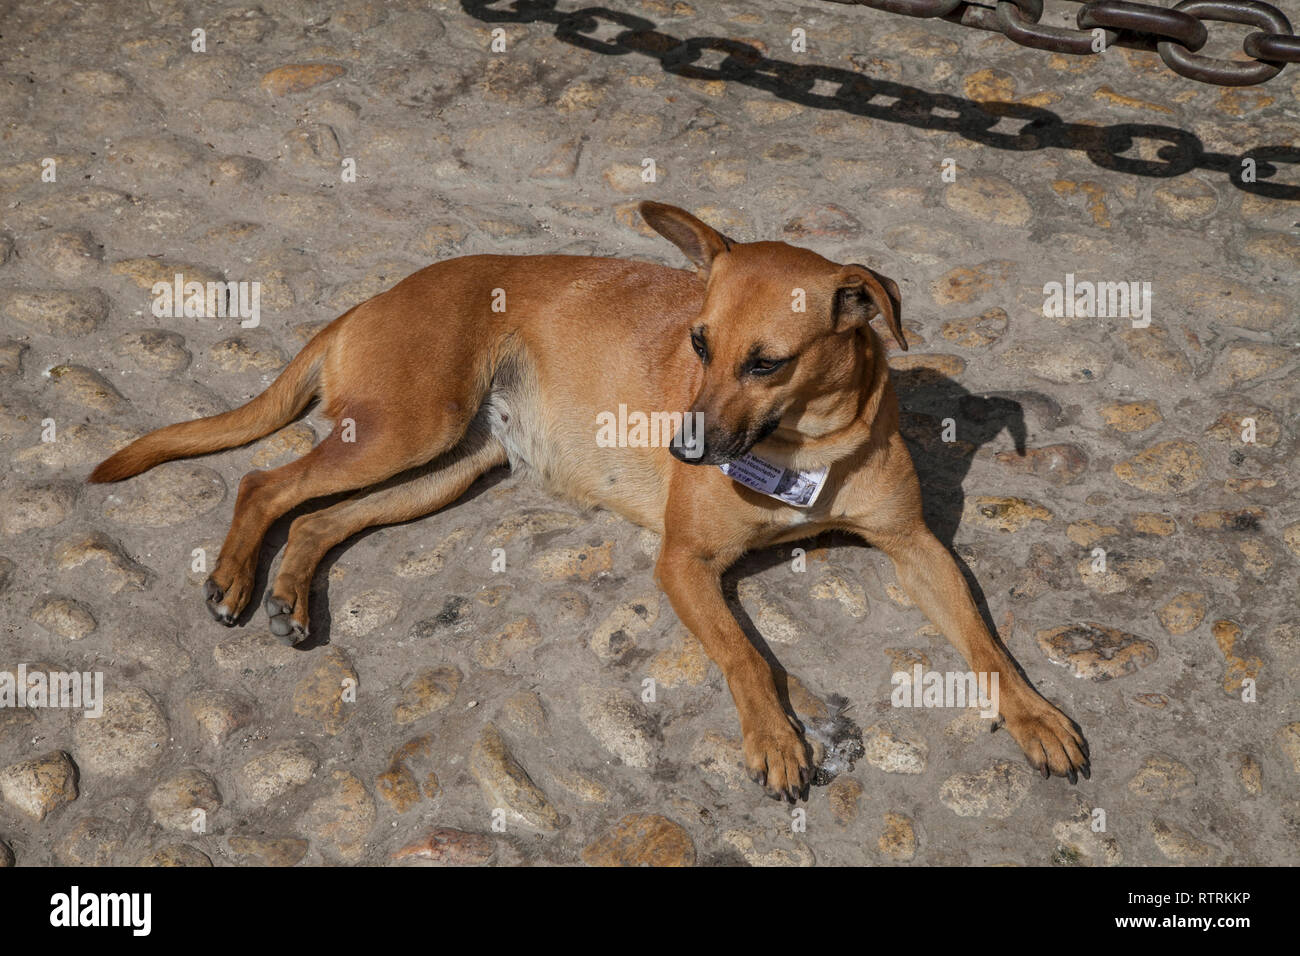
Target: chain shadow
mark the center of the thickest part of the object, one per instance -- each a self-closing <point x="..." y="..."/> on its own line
<point x="860" y="94"/>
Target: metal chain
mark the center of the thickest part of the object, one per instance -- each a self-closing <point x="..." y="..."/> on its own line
<point x="1176" y="33"/>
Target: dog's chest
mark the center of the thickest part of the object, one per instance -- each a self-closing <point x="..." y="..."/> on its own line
<point x="792" y="524"/>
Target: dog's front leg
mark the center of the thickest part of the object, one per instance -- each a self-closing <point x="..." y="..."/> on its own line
<point x="930" y="576"/>
<point x="776" y="755"/>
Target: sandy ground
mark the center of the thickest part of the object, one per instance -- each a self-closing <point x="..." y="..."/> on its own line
<point x="482" y="715"/>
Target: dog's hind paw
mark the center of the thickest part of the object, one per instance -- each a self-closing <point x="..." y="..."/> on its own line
<point x="280" y="618"/>
<point x="212" y="596"/>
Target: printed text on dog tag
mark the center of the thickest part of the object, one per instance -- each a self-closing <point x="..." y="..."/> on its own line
<point x="798" y="488"/>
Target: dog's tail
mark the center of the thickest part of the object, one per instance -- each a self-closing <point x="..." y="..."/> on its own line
<point x="287" y="396"/>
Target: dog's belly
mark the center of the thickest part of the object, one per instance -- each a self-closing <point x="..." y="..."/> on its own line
<point x="556" y="446"/>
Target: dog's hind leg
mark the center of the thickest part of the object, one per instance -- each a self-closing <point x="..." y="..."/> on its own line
<point x="372" y="441"/>
<point x="402" y="498"/>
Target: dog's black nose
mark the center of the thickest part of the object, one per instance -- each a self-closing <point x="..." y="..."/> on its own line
<point x="692" y="454"/>
<point x="688" y="444"/>
<point x="710" y="452"/>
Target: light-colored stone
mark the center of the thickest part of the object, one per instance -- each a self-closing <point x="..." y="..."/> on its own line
<point x="38" y="786"/>
<point x="507" y="786"/>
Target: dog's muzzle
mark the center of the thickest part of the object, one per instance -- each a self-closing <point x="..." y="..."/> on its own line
<point x="715" y="447"/>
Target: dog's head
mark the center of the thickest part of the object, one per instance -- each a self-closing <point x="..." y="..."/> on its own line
<point x="783" y="337"/>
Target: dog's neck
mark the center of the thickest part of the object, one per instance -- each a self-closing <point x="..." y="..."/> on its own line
<point x="790" y="448"/>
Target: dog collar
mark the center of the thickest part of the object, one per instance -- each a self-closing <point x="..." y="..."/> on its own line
<point x="790" y="485"/>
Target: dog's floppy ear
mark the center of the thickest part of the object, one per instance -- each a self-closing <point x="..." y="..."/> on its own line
<point x="862" y="294"/>
<point x="701" y="243"/>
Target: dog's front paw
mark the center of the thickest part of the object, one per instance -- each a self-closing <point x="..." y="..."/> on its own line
<point x="1052" y="742"/>
<point x="778" y="758"/>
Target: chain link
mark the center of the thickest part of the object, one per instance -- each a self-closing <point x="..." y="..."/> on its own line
<point x="1018" y="21"/>
<point x="1176" y="33"/>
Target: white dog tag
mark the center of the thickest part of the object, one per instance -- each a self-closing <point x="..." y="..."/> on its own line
<point x="797" y="488"/>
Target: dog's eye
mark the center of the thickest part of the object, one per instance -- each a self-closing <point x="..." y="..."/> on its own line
<point x="701" y="347"/>
<point x="766" y="366"/>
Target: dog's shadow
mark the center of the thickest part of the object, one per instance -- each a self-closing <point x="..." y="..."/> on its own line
<point x="944" y="426"/>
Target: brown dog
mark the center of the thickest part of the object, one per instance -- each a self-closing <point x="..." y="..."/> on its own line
<point x="486" y="360"/>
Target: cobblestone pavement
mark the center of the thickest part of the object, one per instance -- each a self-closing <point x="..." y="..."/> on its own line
<point x="477" y="700"/>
